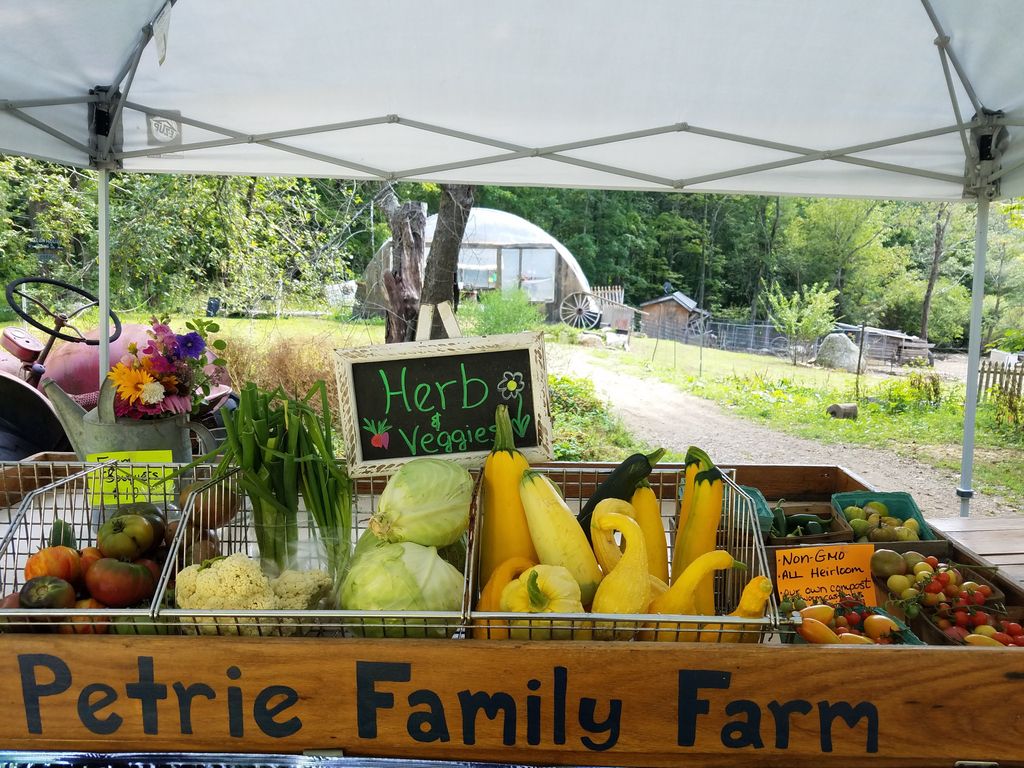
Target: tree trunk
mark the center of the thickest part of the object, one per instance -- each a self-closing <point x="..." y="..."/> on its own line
<point x="942" y="216"/>
<point x="440" y="282"/>
<point x="403" y="281"/>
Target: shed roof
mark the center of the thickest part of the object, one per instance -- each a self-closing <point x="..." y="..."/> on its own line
<point x="678" y="297"/>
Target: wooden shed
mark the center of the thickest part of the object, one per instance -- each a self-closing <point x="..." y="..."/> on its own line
<point x="669" y="314"/>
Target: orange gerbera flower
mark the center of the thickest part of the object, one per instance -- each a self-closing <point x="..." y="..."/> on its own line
<point x="129" y="381"/>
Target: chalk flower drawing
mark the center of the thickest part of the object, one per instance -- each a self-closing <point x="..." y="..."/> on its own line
<point x="511" y="385"/>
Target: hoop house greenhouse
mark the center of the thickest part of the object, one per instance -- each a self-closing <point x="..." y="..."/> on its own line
<point x="499" y="250"/>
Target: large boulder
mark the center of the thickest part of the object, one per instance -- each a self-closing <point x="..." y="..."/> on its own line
<point x="837" y="351"/>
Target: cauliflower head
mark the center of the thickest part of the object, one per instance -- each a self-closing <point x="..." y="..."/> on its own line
<point x="300" y="590"/>
<point x="237" y="583"/>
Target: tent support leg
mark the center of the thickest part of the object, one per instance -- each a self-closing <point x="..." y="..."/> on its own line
<point x="104" y="245"/>
<point x="964" y="490"/>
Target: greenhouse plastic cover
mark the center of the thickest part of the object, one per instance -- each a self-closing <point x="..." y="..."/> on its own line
<point x="740" y="96"/>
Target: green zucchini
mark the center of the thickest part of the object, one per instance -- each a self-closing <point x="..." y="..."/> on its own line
<point x="620" y="484"/>
<point x="62" y="534"/>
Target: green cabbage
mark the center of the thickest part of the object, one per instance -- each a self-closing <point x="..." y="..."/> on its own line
<point x="426" y="502"/>
<point x="402" y="577"/>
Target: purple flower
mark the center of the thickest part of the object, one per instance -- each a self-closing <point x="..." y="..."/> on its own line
<point x="191" y="345"/>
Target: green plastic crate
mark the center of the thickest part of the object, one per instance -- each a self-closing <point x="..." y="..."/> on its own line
<point x="764" y="512"/>
<point x="900" y="504"/>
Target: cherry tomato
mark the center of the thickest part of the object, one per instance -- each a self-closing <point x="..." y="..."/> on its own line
<point x="961" y="603"/>
<point x="951" y="590"/>
<point x="853" y="618"/>
<point x="979" y="619"/>
<point x="932" y="560"/>
<point x="1012" y="628"/>
<point x="943" y="624"/>
<point x="1018" y="641"/>
<point x="933" y="587"/>
<point x="1003" y="638"/>
<point x="963" y="619"/>
<point x="943" y="577"/>
<point x="985" y="589"/>
<point x="978" y="598"/>
<point x="942" y="609"/>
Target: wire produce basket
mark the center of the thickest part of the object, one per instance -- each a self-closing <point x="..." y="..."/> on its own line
<point x="738" y="534"/>
<point x="81" y="497"/>
<point x="238" y="535"/>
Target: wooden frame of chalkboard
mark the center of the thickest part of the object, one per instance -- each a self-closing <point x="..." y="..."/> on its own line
<point x="438" y="398"/>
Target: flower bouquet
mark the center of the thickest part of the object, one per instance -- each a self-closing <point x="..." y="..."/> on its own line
<point x="171" y="374"/>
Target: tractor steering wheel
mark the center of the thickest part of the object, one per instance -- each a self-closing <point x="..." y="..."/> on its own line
<point x="60" y="320"/>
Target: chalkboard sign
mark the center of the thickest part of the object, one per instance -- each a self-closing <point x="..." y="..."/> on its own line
<point x="437" y="398"/>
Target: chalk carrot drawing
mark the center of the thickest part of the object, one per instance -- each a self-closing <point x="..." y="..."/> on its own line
<point x="379" y="430"/>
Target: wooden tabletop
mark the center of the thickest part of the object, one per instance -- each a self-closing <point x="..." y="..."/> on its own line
<point x="999" y="540"/>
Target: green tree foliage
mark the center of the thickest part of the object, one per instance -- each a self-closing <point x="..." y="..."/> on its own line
<point x="803" y="316"/>
<point x="177" y="239"/>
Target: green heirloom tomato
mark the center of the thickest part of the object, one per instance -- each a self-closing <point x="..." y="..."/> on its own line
<point x="47" y="592"/>
<point x="126" y="537"/>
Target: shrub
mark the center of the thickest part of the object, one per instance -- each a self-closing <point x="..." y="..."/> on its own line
<point x="500" y="312"/>
<point x="584" y="430"/>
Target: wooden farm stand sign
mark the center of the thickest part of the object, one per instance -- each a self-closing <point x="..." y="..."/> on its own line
<point x="569" y="703"/>
<point x="437" y="398"/>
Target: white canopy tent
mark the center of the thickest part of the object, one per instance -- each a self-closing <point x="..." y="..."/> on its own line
<point x="916" y="99"/>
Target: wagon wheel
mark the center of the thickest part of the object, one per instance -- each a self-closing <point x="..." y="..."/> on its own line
<point x="577" y="310"/>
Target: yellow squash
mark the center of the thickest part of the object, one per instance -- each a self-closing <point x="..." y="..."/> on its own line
<point x="701" y="533"/>
<point x="647" y="512"/>
<point x="680" y="598"/>
<point x="696" y="461"/>
<point x="490" y="597"/>
<point x="556" y="534"/>
<point x="626" y="588"/>
<point x="753" y="602"/>
<point x="504" y="532"/>
<point x="544" y="589"/>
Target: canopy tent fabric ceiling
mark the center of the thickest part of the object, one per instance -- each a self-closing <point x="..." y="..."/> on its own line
<point x="842" y="98"/>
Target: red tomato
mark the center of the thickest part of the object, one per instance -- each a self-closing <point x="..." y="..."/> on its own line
<point x="932" y="561"/>
<point x="88" y="556"/>
<point x="933" y="587"/>
<point x="151" y="566"/>
<point x="943" y="578"/>
<point x="943" y="624"/>
<point x="978" y="598"/>
<point x="1012" y="628"/>
<point x="119" y="584"/>
<point x="951" y="590"/>
<point x="985" y="589"/>
<point x="62" y="562"/>
<point x="963" y="619"/>
<point x="1018" y="641"/>
<point x="979" y="619"/>
<point x="85" y="625"/>
<point x="853" y="618"/>
<point x="1003" y="638"/>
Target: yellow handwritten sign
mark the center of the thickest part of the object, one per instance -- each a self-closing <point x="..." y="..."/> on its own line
<point x="124" y="483"/>
<point x="820" y="574"/>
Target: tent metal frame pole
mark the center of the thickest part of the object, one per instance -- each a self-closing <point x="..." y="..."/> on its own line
<point x="944" y="38"/>
<point x="964" y="490"/>
<point x="31" y="103"/>
<point x="241" y="138"/>
<point x="553" y="152"/>
<point x="256" y="138"/>
<point x="103" y="215"/>
<point x="944" y="58"/>
<point x="39" y="124"/>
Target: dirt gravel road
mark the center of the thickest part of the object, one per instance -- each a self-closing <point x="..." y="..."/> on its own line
<point x="660" y="414"/>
